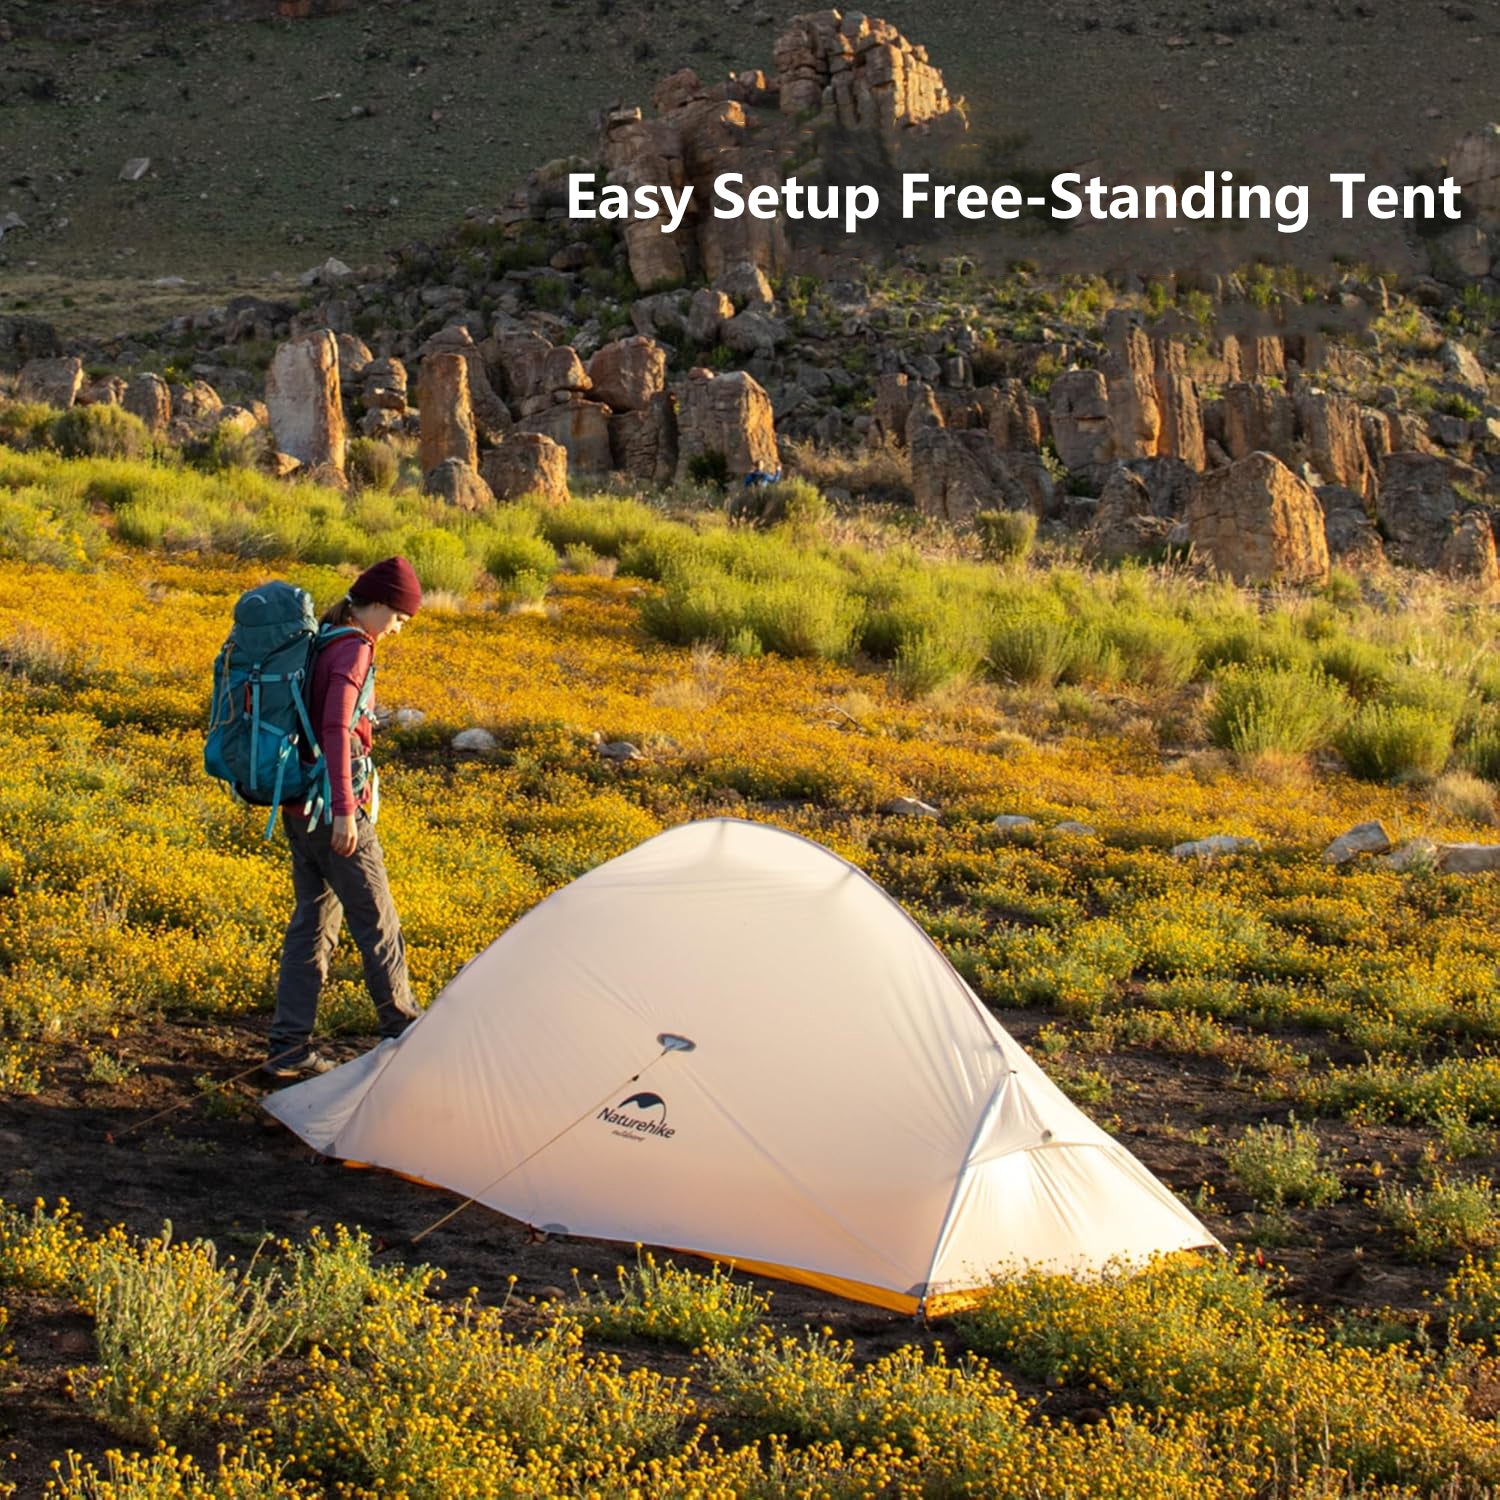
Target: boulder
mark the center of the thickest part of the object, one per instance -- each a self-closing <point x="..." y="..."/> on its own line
<point x="663" y="312"/>
<point x="1258" y="418"/>
<point x="1474" y="163"/>
<point x="527" y="463"/>
<point x="521" y="362"/>
<point x="752" y="333"/>
<point x="1126" y="523"/>
<point x="108" y="391"/>
<point x="1258" y="522"/>
<point x="746" y="286"/>
<point x="707" y="314"/>
<point x="1331" y="429"/>
<point x="644" y="443"/>
<point x="1013" y="822"/>
<point x="1418" y="501"/>
<point x="629" y="374"/>
<point x="1008" y="413"/>
<point x="893" y="396"/>
<point x="641" y="153"/>
<point x="447" y="417"/>
<point x="1463" y="368"/>
<point x="909" y="807"/>
<point x="1347" y="526"/>
<point x="956" y="474"/>
<point x="1414" y="854"/>
<point x="1079" y="403"/>
<point x="53" y="382"/>
<point x="1468" y="859"/>
<point x="490" y="417"/>
<point x="474" y="741"/>
<point x="1469" y="550"/>
<point x="354" y="359"/>
<point x="149" y="398"/>
<point x="459" y="483"/>
<point x="195" y="399"/>
<point x="581" y="427"/>
<point x="728" y="414"/>
<point x="302" y="397"/>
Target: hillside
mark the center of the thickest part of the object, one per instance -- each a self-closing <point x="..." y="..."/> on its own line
<point x="275" y="143"/>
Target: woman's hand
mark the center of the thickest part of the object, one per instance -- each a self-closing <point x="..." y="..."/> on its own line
<point x="345" y="838"/>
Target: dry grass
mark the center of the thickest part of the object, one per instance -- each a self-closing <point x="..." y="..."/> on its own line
<point x="1461" y="794"/>
<point x="878" y="472"/>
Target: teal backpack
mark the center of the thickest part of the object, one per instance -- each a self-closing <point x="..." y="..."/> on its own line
<point x="259" y="724"/>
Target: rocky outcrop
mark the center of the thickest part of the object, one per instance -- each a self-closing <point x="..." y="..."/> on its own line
<point x="491" y="418"/>
<point x="581" y="427"/>
<point x="1081" y="427"/>
<point x="1258" y="419"/>
<point x="302" y="397"/>
<point x="53" y="382"/>
<point x="958" y="473"/>
<point x="1259" y="523"/>
<point x="1008" y="414"/>
<point x="527" y="463"/>
<point x="447" y="418"/>
<point x="1331" y="431"/>
<point x="860" y="72"/>
<point x="727" y="414"/>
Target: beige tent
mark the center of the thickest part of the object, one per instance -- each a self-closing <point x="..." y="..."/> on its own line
<point x="731" y="1041"/>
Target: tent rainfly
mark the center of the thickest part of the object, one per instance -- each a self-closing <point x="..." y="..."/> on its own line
<point x="732" y="1042"/>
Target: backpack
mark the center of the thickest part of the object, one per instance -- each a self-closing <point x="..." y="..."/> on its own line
<point x="261" y="742"/>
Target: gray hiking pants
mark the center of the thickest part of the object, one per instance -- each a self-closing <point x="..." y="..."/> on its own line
<point x="330" y="889"/>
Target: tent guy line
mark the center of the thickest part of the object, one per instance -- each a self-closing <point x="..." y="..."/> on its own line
<point x="670" y="1043"/>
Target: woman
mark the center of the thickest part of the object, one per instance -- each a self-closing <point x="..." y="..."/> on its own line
<point x="338" y="871"/>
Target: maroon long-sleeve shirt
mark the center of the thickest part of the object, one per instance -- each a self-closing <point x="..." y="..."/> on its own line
<point x="338" y="674"/>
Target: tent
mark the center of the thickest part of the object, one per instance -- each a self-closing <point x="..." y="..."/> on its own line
<point x="730" y="1041"/>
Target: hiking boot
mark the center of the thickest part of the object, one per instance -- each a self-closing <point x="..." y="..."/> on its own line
<point x="306" y="1066"/>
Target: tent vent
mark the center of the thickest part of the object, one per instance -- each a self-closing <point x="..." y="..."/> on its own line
<point x="674" y="1043"/>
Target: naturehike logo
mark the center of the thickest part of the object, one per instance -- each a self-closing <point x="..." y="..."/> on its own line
<point x="638" y="1116"/>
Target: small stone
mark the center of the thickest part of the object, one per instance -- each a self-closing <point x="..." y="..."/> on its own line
<point x="618" y="751"/>
<point x="1363" y="838"/>
<point x="408" y="718"/>
<point x="474" y="740"/>
<point x="1010" y="822"/>
<point x="909" y="807"/>
<point x="135" y="169"/>
<point x="1214" y="846"/>
<point x="1076" y="829"/>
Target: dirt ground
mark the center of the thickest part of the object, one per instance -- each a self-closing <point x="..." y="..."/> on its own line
<point x="220" y="1168"/>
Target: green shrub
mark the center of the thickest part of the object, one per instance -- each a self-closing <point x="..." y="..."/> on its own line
<point x="1259" y="707"/>
<point x="1030" y="645"/>
<point x="1363" y="668"/>
<point x="1383" y="742"/>
<point x="442" y="562"/>
<point x="372" y="464"/>
<point x="100" y="432"/>
<point x="177" y="1333"/>
<point x="506" y="556"/>
<point x="1446" y="1216"/>
<point x="1280" y="1164"/>
<point x="1005" y="535"/>
<point x="25" y="424"/>
<point x="1154" y="650"/>
<point x="672" y="1306"/>
<point x="794" y="502"/>
<point x="711" y="467"/>
<point x="39" y="526"/>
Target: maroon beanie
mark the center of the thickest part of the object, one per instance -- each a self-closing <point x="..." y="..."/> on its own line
<point x="393" y="582"/>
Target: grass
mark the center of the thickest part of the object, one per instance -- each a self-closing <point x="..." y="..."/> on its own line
<point x="1281" y="1164"/>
